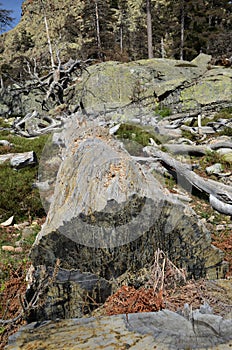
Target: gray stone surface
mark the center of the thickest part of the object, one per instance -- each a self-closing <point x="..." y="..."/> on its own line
<point x="19" y="160"/>
<point x="216" y="168"/>
<point x="161" y="330"/>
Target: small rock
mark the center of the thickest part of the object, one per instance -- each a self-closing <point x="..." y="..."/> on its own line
<point x="220" y="227"/>
<point x="18" y="250"/>
<point x="223" y="151"/>
<point x="8" y="248"/>
<point x="228" y="157"/>
<point x="8" y="222"/>
<point x="19" y="243"/>
<point x="21" y="160"/>
<point x="212" y="218"/>
<point x="27" y="232"/>
<point x="214" y="169"/>
<point x="203" y="221"/>
<point x="5" y="143"/>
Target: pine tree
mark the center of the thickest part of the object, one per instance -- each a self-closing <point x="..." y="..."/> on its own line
<point x="98" y="28"/>
<point x="5" y="18"/>
<point x="219" y="28"/>
<point x="149" y="30"/>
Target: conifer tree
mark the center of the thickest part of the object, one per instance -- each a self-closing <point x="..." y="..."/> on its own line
<point x="5" y="18"/>
<point x="97" y="31"/>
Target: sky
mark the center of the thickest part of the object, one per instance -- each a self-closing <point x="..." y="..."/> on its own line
<point x="15" y="6"/>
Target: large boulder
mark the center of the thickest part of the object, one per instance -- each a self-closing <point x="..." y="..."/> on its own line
<point x="107" y="218"/>
<point x="121" y="90"/>
<point x="182" y="86"/>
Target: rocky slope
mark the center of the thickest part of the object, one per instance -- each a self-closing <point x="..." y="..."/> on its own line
<point x="29" y="38"/>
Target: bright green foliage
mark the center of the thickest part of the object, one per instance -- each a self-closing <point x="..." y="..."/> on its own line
<point x="137" y="135"/>
<point x="163" y="111"/>
<point x="17" y="196"/>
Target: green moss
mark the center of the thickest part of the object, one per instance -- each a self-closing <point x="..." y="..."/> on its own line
<point x="136" y="133"/>
<point x="21" y="144"/>
<point x="163" y="111"/>
<point x="211" y="158"/>
<point x="2" y="330"/>
<point x="227" y="131"/>
<point x="135" y="138"/>
<point x="188" y="135"/>
<point x="17" y="196"/>
<point x="225" y="113"/>
<point x="3" y="123"/>
<point x="227" y="159"/>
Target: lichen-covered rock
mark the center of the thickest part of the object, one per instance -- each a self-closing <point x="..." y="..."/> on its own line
<point x="214" y="86"/>
<point x="228" y="157"/>
<point x="146" y="82"/>
<point x="129" y="90"/>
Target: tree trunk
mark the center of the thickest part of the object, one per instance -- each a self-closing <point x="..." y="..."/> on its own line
<point x="182" y="24"/>
<point x="149" y="30"/>
<point x="162" y="48"/>
<point x="49" y="42"/>
<point x="220" y="195"/>
<point x="98" y="29"/>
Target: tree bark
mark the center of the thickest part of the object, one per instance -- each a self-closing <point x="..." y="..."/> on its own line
<point x="182" y="24"/>
<point x="220" y="194"/>
<point x="98" y="29"/>
<point x="149" y="31"/>
<point x="49" y="41"/>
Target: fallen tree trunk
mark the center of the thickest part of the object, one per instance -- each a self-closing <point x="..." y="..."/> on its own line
<point x="218" y="145"/>
<point x="107" y="219"/>
<point x="221" y="195"/>
<point x="192" y="150"/>
<point x="33" y="125"/>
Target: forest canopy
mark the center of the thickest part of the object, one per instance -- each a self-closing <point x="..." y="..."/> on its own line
<point x="121" y="30"/>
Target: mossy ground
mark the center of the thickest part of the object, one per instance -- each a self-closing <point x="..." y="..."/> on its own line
<point x="17" y="196"/>
<point x="20" y="199"/>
